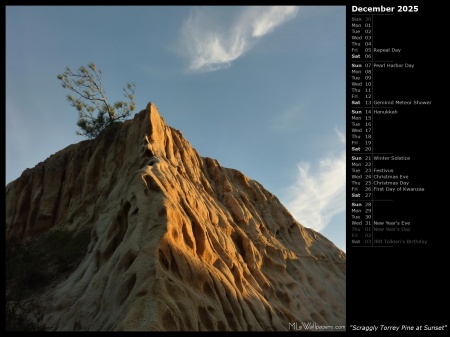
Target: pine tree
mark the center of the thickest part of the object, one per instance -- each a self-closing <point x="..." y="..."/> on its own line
<point x="90" y="100"/>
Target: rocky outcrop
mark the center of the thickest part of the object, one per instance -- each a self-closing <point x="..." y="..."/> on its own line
<point x="178" y="242"/>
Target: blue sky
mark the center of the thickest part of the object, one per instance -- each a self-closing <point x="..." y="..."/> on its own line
<point x="260" y="89"/>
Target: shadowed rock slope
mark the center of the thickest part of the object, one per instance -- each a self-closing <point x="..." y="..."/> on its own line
<point x="177" y="242"/>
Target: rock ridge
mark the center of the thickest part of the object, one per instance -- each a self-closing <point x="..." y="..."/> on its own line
<point x="178" y="242"/>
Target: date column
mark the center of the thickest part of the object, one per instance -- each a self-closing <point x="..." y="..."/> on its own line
<point x="361" y="130"/>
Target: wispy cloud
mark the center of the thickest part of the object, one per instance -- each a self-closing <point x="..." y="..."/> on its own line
<point x="319" y="193"/>
<point x="212" y="44"/>
<point x="290" y="119"/>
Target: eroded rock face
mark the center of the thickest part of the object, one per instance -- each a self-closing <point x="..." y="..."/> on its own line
<point x="177" y="241"/>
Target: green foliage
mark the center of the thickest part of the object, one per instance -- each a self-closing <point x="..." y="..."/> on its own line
<point x="68" y="249"/>
<point x="32" y="266"/>
<point x="23" y="315"/>
<point x="95" y="112"/>
<point x="24" y="269"/>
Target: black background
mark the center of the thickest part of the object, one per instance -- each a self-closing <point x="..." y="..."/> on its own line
<point x="407" y="284"/>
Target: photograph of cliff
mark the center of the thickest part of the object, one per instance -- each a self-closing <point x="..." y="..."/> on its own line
<point x="177" y="242"/>
<point x="133" y="228"/>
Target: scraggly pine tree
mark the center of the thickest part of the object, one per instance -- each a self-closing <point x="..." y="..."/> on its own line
<point x="95" y="112"/>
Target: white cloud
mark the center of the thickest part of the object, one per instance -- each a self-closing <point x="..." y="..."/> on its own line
<point x="319" y="193"/>
<point x="341" y="136"/>
<point x="212" y="44"/>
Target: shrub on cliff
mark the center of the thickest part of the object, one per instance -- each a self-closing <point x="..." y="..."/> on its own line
<point x="89" y="98"/>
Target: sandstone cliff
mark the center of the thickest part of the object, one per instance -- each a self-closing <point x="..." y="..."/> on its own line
<point x="178" y="242"/>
